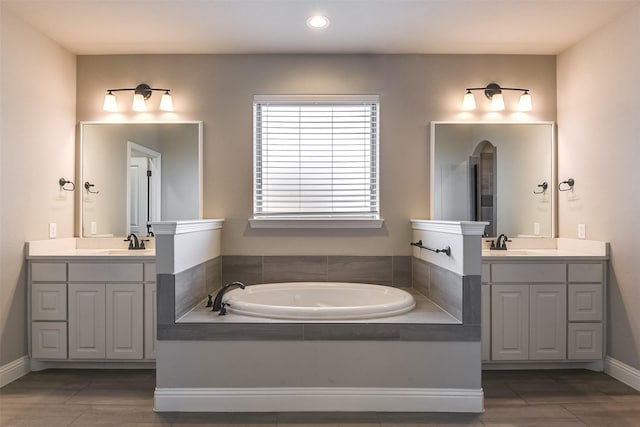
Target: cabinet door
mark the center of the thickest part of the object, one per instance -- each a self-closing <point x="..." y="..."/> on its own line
<point x="150" y="321"/>
<point x="585" y="341"/>
<point x="547" y="322"/>
<point x="485" y="322"/>
<point x="49" y="340"/>
<point x="49" y="301"/>
<point x="585" y="302"/>
<point x="509" y="322"/>
<point x="124" y="314"/>
<point x="86" y="321"/>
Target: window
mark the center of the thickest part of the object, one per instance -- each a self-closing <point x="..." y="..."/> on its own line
<point x="316" y="158"/>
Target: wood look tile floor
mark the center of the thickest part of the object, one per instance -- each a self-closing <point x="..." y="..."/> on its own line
<point x="554" y="398"/>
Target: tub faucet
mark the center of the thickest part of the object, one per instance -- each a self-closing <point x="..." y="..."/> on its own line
<point x="218" y="305"/>
<point x="501" y="242"/>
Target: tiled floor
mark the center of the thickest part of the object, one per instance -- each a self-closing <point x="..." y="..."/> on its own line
<point x="125" y="398"/>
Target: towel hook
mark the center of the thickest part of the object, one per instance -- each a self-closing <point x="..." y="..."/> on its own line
<point x="544" y="187"/>
<point x="62" y="182"/>
<point x="570" y="182"/>
<point x="88" y="185"/>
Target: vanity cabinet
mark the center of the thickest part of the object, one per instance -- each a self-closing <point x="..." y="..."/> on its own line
<point x="90" y="311"/>
<point x="542" y="311"/>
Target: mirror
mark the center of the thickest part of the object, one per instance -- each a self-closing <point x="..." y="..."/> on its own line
<point x="503" y="173"/>
<point x="135" y="173"/>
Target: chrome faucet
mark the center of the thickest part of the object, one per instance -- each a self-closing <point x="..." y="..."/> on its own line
<point x="220" y="306"/>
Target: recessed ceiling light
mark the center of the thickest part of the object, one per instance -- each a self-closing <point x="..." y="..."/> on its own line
<point x="318" y="22"/>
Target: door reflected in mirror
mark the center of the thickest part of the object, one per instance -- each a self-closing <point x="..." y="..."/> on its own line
<point x="138" y="173"/>
<point x="494" y="172"/>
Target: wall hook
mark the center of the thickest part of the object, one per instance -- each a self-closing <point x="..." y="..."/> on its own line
<point x="62" y="182"/>
<point x="88" y="185"/>
<point x="544" y="187"/>
<point x="570" y="182"/>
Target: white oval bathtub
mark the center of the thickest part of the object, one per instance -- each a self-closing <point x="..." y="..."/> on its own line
<point x="319" y="301"/>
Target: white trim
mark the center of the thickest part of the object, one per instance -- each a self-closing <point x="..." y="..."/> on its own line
<point x="345" y="399"/>
<point x="312" y="99"/>
<point x="183" y="227"/>
<point x="622" y="372"/>
<point x="466" y="228"/>
<point x="315" y="223"/>
<point x="14" y="370"/>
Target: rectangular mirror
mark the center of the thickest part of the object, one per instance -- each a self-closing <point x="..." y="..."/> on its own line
<point x="135" y="173"/>
<point x="503" y="173"/>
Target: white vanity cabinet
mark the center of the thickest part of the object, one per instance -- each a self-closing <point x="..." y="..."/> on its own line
<point x="542" y="310"/>
<point x="93" y="310"/>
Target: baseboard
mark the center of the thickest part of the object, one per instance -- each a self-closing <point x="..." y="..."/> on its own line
<point x="622" y="372"/>
<point x="597" y="365"/>
<point x="14" y="370"/>
<point x="39" y="365"/>
<point x="303" y="399"/>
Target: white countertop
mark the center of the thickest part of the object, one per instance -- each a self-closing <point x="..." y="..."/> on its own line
<point x="77" y="248"/>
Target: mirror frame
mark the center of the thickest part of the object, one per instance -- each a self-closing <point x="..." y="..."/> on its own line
<point x="554" y="163"/>
<point x="80" y="158"/>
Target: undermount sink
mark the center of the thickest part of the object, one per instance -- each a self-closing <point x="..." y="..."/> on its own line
<point x="508" y="252"/>
<point x="145" y="252"/>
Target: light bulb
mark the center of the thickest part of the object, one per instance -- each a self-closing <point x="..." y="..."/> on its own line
<point x="469" y="102"/>
<point x="138" y="103"/>
<point x="318" y="22"/>
<point x="525" y="102"/>
<point x="110" y="103"/>
<point x="166" y="103"/>
<point x="497" y="102"/>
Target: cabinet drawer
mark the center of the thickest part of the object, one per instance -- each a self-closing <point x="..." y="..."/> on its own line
<point x="585" y="341"/>
<point x="49" y="340"/>
<point x="528" y="273"/>
<point x="150" y="272"/>
<point x="49" y="301"/>
<point x="586" y="273"/>
<point x="585" y="303"/>
<point x="48" y="272"/>
<point x="117" y="272"/>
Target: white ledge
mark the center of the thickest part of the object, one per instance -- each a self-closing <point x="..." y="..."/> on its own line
<point x="182" y="227"/>
<point x="326" y="223"/>
<point x="467" y="228"/>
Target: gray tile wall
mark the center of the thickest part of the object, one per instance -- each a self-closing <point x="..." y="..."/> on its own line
<point x="381" y="270"/>
<point x="458" y="295"/>
<point x="192" y="286"/>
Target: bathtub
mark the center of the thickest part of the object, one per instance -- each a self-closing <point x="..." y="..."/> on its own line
<point x="319" y="301"/>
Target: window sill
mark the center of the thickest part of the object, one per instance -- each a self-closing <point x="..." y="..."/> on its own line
<point x="316" y="223"/>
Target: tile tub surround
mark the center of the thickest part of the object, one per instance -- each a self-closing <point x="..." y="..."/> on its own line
<point x="428" y="322"/>
<point x="381" y="270"/>
<point x="409" y="365"/>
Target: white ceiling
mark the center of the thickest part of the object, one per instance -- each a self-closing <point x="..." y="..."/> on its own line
<point x="87" y="27"/>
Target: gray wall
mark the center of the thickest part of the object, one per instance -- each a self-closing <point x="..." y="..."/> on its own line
<point x="37" y="122"/>
<point x="599" y="147"/>
<point x="414" y="89"/>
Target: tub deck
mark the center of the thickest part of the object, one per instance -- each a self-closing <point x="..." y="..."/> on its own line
<point x="425" y="312"/>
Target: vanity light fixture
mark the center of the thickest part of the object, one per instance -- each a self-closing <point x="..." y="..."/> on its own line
<point x="318" y="22"/>
<point x="493" y="92"/>
<point x="142" y="92"/>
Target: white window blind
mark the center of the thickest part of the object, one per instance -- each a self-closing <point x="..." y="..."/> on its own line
<point x="316" y="158"/>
